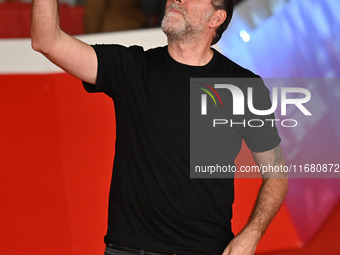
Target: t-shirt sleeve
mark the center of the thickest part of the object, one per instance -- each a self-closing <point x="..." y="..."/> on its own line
<point x="113" y="64"/>
<point x="260" y="133"/>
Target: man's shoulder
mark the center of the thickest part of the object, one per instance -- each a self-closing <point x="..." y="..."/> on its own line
<point x="141" y="52"/>
<point x="235" y="69"/>
<point x="155" y="51"/>
<point x="141" y="49"/>
<point x="124" y="52"/>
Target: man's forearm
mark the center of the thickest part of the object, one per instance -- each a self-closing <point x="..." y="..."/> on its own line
<point x="271" y="194"/>
<point x="269" y="200"/>
<point x="44" y="24"/>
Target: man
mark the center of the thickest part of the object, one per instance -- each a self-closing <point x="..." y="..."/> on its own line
<point x="155" y="207"/>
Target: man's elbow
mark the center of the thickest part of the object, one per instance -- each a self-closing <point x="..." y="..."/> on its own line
<point x="285" y="185"/>
<point x="279" y="182"/>
<point x="35" y="46"/>
<point x="41" y="42"/>
<point x="38" y="45"/>
<point x="35" y="42"/>
<point x="34" y="39"/>
<point x="282" y="185"/>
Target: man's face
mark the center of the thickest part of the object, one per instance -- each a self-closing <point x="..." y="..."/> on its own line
<point x="186" y="19"/>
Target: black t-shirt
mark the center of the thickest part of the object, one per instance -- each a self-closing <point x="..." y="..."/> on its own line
<point x="154" y="204"/>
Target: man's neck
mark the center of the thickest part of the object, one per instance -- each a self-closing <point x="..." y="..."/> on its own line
<point x="190" y="53"/>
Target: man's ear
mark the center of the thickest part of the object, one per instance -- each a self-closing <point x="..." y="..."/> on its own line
<point x="218" y="18"/>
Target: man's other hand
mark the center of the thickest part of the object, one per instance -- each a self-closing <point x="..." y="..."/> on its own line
<point x="242" y="244"/>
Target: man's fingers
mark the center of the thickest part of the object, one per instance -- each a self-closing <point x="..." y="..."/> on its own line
<point x="226" y="251"/>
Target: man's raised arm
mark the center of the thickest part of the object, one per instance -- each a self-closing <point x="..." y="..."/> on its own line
<point x="72" y="55"/>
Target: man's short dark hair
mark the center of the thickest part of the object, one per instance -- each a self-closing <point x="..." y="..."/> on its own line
<point x="228" y="6"/>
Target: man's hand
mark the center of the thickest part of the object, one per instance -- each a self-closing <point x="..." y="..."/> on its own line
<point x="242" y="244"/>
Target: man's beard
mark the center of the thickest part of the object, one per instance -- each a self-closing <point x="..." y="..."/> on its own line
<point x="178" y="27"/>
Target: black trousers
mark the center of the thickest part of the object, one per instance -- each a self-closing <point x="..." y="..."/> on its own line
<point x="112" y="249"/>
